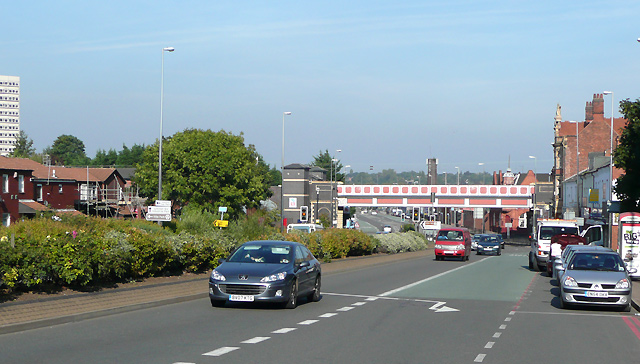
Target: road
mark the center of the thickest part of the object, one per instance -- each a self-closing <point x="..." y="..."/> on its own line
<point x="371" y="224"/>
<point x="491" y="309"/>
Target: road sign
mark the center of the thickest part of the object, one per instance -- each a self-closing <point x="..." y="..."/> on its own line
<point x="222" y="209"/>
<point x="159" y="213"/>
<point x="221" y="223"/>
<point x="163" y="203"/>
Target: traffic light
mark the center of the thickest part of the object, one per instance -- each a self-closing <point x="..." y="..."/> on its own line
<point x="304" y="213"/>
<point x="416" y="214"/>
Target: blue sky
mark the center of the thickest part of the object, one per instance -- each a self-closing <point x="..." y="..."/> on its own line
<point x="390" y="83"/>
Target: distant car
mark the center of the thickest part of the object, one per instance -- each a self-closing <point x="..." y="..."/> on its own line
<point x="266" y="271"/>
<point x="500" y="239"/>
<point x="363" y="211"/>
<point x="374" y="212"/>
<point x="489" y="244"/>
<point x="474" y="240"/>
<point x="387" y="229"/>
<point x="596" y="278"/>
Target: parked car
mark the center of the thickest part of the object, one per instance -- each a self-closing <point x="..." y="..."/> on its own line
<point x="561" y="264"/>
<point x="558" y="244"/>
<point x="266" y="271"/>
<point x="596" y="278"/>
<point x="489" y="244"/>
<point x="387" y="229"/>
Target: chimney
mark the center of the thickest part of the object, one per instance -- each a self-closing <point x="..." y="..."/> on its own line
<point x="598" y="104"/>
<point x="53" y="173"/>
<point x="588" y="112"/>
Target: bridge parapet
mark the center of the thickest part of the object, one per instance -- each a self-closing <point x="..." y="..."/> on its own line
<point x="495" y="196"/>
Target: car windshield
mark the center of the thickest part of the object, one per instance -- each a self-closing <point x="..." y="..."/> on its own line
<point x="450" y="235"/>
<point x="597" y="261"/>
<point x="546" y="232"/>
<point x="488" y="239"/>
<point x="259" y="253"/>
<point x="306" y="229"/>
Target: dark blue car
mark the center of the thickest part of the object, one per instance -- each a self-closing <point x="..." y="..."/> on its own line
<point x="266" y="271"/>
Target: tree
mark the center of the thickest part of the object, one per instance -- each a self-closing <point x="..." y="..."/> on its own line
<point x="205" y="169"/>
<point x="23" y="147"/>
<point x="323" y="160"/>
<point x="103" y="158"/>
<point x="68" y="150"/>
<point x="627" y="157"/>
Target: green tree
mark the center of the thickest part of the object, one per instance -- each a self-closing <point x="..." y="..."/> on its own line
<point x="130" y="157"/>
<point x="205" y="169"/>
<point x="627" y="157"/>
<point x="23" y="147"/>
<point x="68" y="150"/>
<point x="324" y="160"/>
<point x="103" y="158"/>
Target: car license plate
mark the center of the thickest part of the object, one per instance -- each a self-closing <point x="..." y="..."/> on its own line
<point x="241" y="298"/>
<point x="449" y="252"/>
<point x="597" y="294"/>
<point x="488" y="248"/>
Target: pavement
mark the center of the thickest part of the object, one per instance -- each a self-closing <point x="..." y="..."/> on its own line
<point x="54" y="309"/>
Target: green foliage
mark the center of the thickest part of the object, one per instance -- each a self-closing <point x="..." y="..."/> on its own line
<point x="401" y="242"/>
<point x="407" y="227"/>
<point x="23" y="147"/>
<point x="206" y="169"/>
<point x="627" y="157"/>
<point x="194" y="220"/>
<point x="68" y="150"/>
<point x="324" y="160"/>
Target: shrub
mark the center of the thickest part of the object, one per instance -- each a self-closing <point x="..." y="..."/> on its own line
<point x="400" y="242"/>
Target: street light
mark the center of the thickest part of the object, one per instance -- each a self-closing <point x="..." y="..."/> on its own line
<point x="282" y="173"/>
<point x="332" y="172"/>
<point x="167" y="49"/>
<point x="458" y="168"/>
<point x="611" y="162"/>
<point x="535" y="184"/>
<point x="482" y="164"/>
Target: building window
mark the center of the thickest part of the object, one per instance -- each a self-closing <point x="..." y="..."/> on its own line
<point x="60" y="189"/>
<point x="6" y="219"/>
<point x="5" y="183"/>
<point x="39" y="192"/>
<point x="21" y="184"/>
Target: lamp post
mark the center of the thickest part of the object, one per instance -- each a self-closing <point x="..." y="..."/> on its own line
<point x="167" y="49"/>
<point x="317" y="202"/>
<point x="458" y="168"/>
<point x="611" y="164"/>
<point x="333" y="171"/>
<point x="282" y="174"/>
<point x="578" y="190"/>
<point x="535" y="184"/>
<point x="482" y="164"/>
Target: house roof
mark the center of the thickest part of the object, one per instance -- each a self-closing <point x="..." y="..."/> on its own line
<point x="30" y="207"/>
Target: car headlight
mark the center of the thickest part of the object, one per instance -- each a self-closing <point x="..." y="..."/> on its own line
<point x="274" y="277"/>
<point x="216" y="276"/>
<point x="570" y="282"/>
<point x="460" y="247"/>
<point x="622" y="284"/>
<point x="438" y="246"/>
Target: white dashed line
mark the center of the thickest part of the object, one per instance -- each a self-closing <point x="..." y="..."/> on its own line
<point x="223" y="350"/>
<point x="347" y="308"/>
<point x="255" y="340"/>
<point x="479" y="358"/>
<point x="359" y="303"/>
<point x="508" y="319"/>
<point x="307" y="322"/>
<point x="371" y="299"/>
<point x="502" y="327"/>
<point x="497" y="334"/>
<point x="489" y="345"/>
<point x="512" y="313"/>
<point x="284" y="330"/>
<point x="327" y="315"/>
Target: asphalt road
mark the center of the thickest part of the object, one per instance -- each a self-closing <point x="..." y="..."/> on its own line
<point x="371" y="224"/>
<point x="491" y="309"/>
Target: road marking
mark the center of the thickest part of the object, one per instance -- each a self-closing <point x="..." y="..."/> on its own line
<point x="508" y="319"/>
<point x="371" y="299"/>
<point x="513" y="313"/>
<point x="327" y="315"/>
<point x="497" y="334"/>
<point x="255" y="340"/>
<point x="489" y="345"/>
<point x="346" y="308"/>
<point x="630" y="322"/>
<point x="436" y="307"/>
<point x="284" y="330"/>
<point x="359" y="303"/>
<point x="307" y="322"/>
<point x="389" y="293"/>
<point x="223" y="350"/>
<point x="502" y="327"/>
<point x="479" y="358"/>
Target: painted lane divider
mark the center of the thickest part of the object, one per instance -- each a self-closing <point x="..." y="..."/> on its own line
<point x="221" y="351"/>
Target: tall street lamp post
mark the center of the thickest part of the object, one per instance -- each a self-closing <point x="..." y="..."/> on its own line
<point x="611" y="166"/>
<point x="535" y="184"/>
<point x="458" y="168"/>
<point x="167" y="49"/>
<point x="482" y="164"/>
<point x="282" y="173"/>
<point x="332" y="172"/>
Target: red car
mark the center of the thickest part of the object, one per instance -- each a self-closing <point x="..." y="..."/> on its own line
<point x="563" y="240"/>
<point x="453" y="242"/>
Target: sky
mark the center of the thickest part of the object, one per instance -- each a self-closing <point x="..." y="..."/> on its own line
<point x="389" y="83"/>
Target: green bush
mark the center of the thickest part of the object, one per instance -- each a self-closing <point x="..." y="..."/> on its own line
<point x="401" y="242"/>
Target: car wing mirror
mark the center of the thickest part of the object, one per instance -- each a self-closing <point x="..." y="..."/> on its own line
<point x="304" y="264"/>
<point x="633" y="270"/>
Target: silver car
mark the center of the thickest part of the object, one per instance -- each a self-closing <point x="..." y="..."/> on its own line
<point x="596" y="278"/>
<point x="561" y="262"/>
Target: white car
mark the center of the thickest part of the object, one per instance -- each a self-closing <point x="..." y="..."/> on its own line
<point x="374" y="212"/>
<point x="387" y="229"/>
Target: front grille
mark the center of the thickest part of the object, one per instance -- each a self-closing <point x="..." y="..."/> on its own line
<point x="245" y="289"/>
<point x="596" y="299"/>
<point x="604" y="286"/>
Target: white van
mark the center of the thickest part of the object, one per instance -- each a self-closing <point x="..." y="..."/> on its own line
<point x="307" y="228"/>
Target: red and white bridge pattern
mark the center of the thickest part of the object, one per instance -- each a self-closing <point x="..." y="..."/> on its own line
<point x="469" y="196"/>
